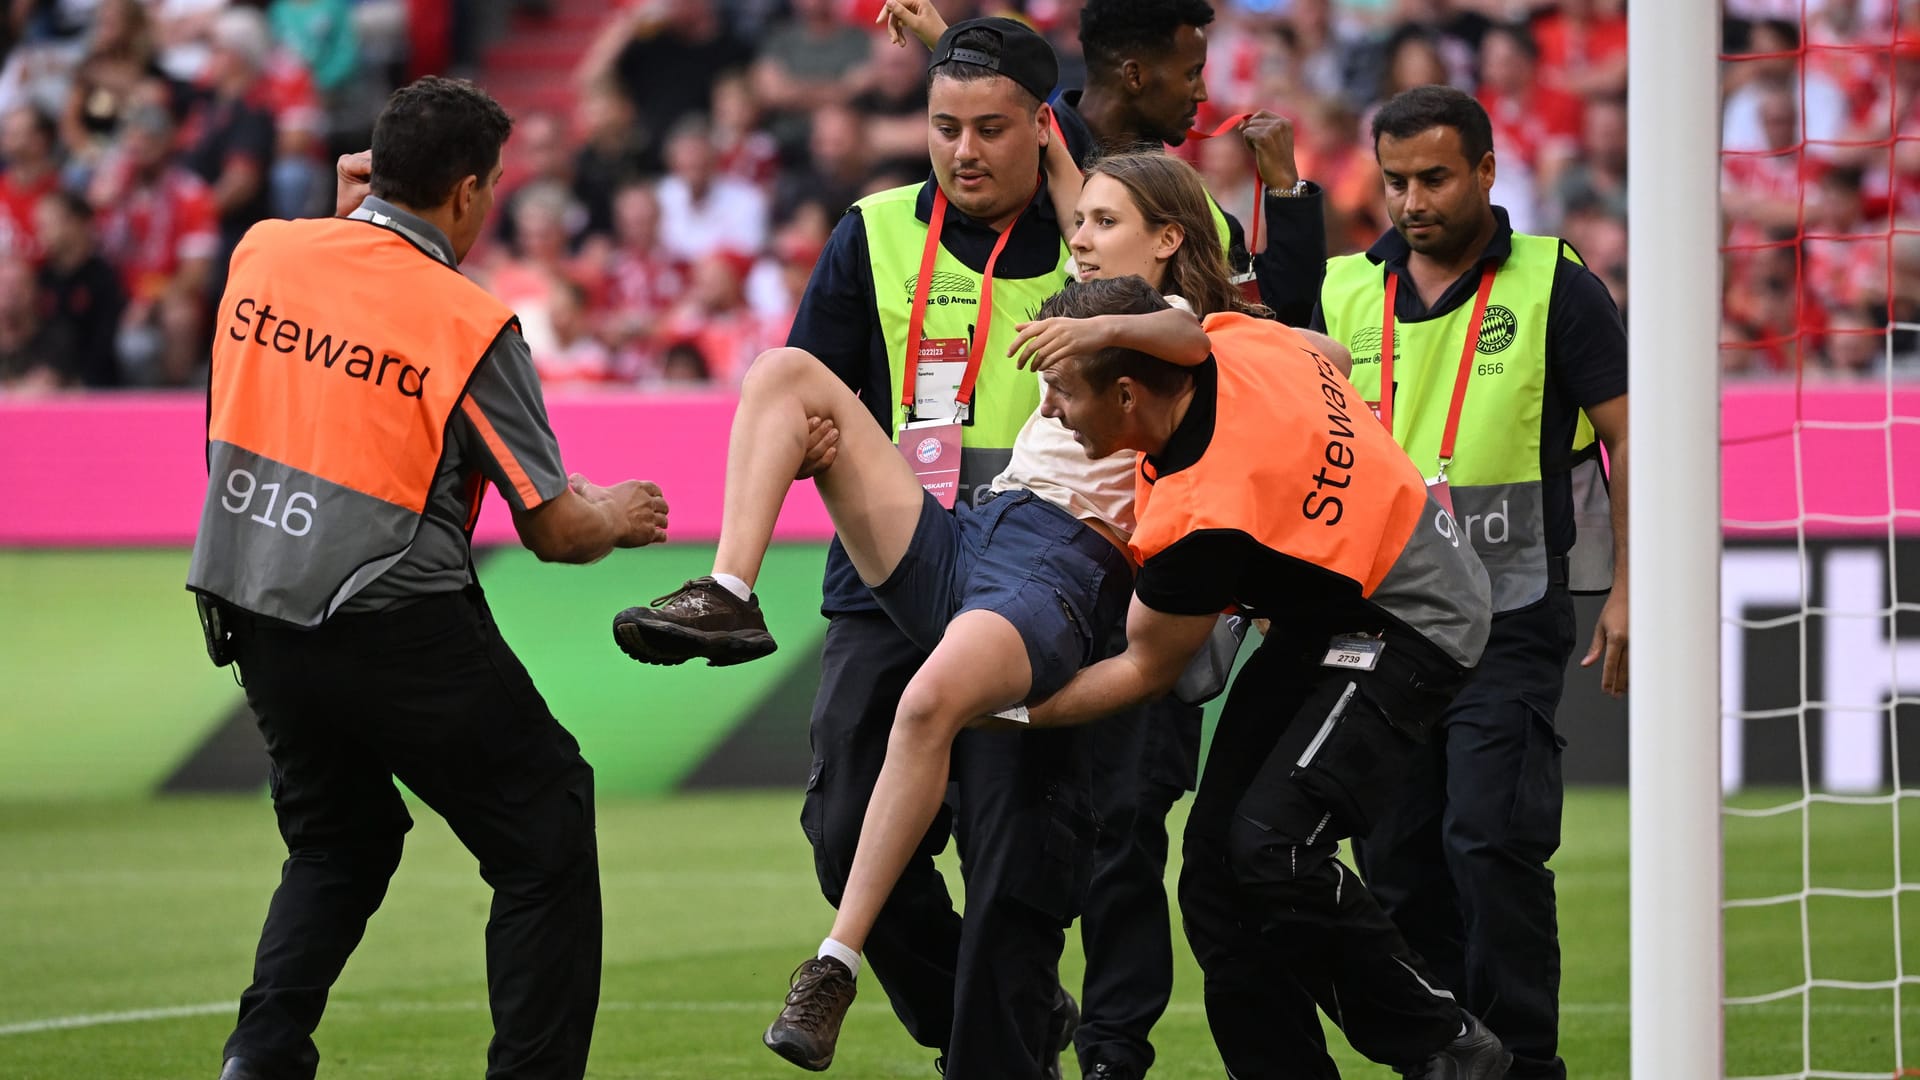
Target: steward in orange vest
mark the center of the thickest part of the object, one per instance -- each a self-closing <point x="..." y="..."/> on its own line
<point x="363" y="393"/>
<point x="1265" y="485"/>
<point x="328" y="410"/>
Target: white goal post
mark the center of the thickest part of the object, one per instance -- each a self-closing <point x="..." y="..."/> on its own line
<point x="1673" y="105"/>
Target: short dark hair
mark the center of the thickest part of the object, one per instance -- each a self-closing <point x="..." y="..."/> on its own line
<point x="982" y="40"/>
<point x="1130" y="295"/>
<point x="1110" y="29"/>
<point x="433" y="134"/>
<point x="1413" y="111"/>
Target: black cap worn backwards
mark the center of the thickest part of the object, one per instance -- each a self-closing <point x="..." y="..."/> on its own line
<point x="1013" y="50"/>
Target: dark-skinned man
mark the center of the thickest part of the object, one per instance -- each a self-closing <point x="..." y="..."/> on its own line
<point x="1507" y="357"/>
<point x="1146" y="79"/>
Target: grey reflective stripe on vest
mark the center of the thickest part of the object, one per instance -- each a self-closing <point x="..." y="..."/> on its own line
<point x="286" y="544"/>
<point x="1508" y="528"/>
<point x="1439" y="587"/>
<point x="1590" y="563"/>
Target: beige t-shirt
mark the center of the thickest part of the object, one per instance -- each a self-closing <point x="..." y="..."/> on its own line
<point x="1048" y="462"/>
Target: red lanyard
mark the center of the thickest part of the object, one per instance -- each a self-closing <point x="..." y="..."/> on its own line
<point x="1467" y="350"/>
<point x="1259" y="188"/>
<point x="915" y="322"/>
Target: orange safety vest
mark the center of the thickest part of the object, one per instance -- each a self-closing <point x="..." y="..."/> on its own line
<point x="1297" y="463"/>
<point x="340" y="353"/>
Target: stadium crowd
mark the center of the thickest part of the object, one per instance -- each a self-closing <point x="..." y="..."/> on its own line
<point x="660" y="232"/>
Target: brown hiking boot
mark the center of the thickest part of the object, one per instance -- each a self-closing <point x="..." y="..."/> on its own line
<point x="701" y="619"/>
<point x="807" y="1029"/>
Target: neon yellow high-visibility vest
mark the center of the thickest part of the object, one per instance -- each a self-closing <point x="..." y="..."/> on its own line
<point x="1495" y="474"/>
<point x="1004" y="396"/>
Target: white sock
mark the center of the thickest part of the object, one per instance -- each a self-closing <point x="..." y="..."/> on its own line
<point x="840" y="952"/>
<point x="735" y="585"/>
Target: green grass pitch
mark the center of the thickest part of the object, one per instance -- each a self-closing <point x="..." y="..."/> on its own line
<point x="152" y="908"/>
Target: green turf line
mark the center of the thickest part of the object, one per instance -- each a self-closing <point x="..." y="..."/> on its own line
<point x="643" y="727"/>
<point x="711" y="900"/>
<point x="106" y="681"/>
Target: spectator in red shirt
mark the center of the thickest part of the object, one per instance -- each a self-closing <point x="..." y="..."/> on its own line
<point x="1764" y="191"/>
<point x="1895" y="115"/>
<point x="1583" y="46"/>
<point x="642" y="283"/>
<point x="1846" y="253"/>
<point x="1771" y="320"/>
<point x="715" y="318"/>
<point x="1761" y="197"/>
<point x="30" y="172"/>
<point x="742" y="146"/>
<point x="159" y="226"/>
<point x="779" y="278"/>
<point x="530" y="276"/>
<point x="569" y="357"/>
<point x="1536" y="127"/>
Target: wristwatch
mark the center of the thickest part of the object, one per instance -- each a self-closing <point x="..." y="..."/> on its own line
<point x="1298" y="190"/>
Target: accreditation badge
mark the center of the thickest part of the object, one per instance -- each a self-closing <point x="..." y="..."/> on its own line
<point x="932" y="449"/>
<point x="1357" y="652"/>
<point x="940" y="369"/>
<point x="1437" y="488"/>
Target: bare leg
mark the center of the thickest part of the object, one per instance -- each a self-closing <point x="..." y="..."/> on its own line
<point x="979" y="666"/>
<point x="871" y="494"/>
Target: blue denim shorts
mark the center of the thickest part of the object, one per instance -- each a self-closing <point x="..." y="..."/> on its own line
<point x="1061" y="584"/>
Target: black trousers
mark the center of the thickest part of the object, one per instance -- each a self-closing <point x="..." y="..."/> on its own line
<point x="1143" y="761"/>
<point x="430" y="694"/>
<point x="1461" y="860"/>
<point x="980" y="990"/>
<point x="1277" y="923"/>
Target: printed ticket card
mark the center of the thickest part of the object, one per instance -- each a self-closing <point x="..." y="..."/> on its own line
<point x="932" y="448"/>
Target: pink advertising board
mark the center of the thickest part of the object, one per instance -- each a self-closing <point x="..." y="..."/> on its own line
<point x="126" y="469"/>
